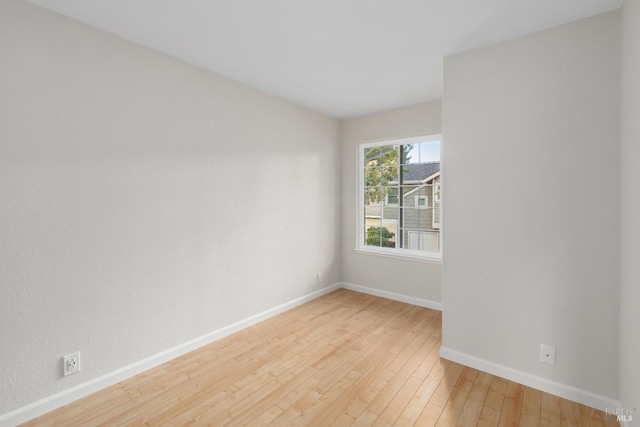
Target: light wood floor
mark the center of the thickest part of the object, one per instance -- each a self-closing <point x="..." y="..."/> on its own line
<point x="343" y="359"/>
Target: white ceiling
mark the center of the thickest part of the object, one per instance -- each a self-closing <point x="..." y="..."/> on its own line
<point x="343" y="58"/>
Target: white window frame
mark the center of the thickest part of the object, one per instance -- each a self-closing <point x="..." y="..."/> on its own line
<point x="360" y="235"/>
<point x="436" y="199"/>
<point x="436" y="190"/>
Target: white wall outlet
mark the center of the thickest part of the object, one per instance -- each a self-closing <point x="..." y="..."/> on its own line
<point x="319" y="277"/>
<point x="71" y="363"/>
<point x="547" y="354"/>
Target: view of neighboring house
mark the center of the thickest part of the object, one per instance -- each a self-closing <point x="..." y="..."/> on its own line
<point x="414" y="218"/>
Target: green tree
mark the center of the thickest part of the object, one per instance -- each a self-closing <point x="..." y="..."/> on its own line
<point x="382" y="164"/>
<point x="380" y="236"/>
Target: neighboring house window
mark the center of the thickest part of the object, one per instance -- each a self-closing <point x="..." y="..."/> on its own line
<point x="421" y="202"/>
<point x="436" y="204"/>
<point x="391" y="198"/>
<point x="399" y="197"/>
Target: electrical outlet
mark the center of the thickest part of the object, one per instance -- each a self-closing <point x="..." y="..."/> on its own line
<point x="319" y="277"/>
<point x="71" y="363"/>
<point x="547" y="354"/>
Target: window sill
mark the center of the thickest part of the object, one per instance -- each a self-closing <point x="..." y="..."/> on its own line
<point x="408" y="256"/>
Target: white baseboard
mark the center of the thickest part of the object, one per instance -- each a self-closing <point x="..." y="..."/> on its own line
<point x="393" y="296"/>
<point x="565" y="391"/>
<point x="72" y="394"/>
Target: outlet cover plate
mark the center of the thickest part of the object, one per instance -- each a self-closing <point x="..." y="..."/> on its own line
<point x="71" y="363"/>
<point x="547" y="354"/>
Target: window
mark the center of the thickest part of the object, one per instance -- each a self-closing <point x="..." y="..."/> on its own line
<point x="391" y="197"/>
<point x="436" y="205"/>
<point x="399" y="197"/>
<point x="421" y="202"/>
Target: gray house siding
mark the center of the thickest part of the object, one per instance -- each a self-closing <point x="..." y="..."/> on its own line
<point x="417" y="217"/>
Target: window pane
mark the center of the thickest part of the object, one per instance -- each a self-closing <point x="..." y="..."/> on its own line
<point x="373" y="214"/>
<point x="372" y="176"/>
<point x="417" y="173"/>
<point x="391" y="194"/>
<point x="410" y="154"/>
<point x="420" y="240"/>
<point x="423" y="152"/>
<point x="380" y="237"/>
<point x="381" y="154"/>
<point x="384" y="155"/>
<point x="389" y="174"/>
<point x="373" y="195"/>
<point x="380" y="175"/>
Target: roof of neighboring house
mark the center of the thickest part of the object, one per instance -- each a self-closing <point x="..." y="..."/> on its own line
<point x="420" y="171"/>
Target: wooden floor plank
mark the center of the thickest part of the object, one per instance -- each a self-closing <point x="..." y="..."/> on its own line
<point x="489" y="417"/>
<point x="549" y="410"/>
<point x="510" y="414"/>
<point x="344" y="359"/>
<point x="475" y="401"/>
<point x="422" y="396"/>
<point x="455" y="404"/>
<point x="495" y="396"/>
<point x="393" y="410"/>
<point x="530" y="412"/>
<point x="446" y="386"/>
<point x="569" y="413"/>
<point x="429" y="416"/>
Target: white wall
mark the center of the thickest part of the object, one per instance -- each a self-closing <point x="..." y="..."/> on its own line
<point x="418" y="280"/>
<point x="144" y="202"/>
<point x="531" y="208"/>
<point x="630" y="218"/>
